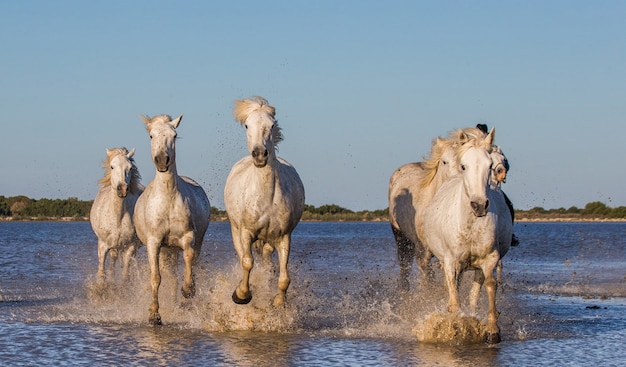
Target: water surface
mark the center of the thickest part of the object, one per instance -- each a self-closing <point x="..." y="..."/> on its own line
<point x="562" y="302"/>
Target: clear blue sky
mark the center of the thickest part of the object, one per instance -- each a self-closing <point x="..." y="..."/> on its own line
<point x="360" y="88"/>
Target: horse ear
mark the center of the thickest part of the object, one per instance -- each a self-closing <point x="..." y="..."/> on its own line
<point x="176" y="122"/>
<point x="109" y="151"/>
<point x="491" y="136"/>
<point x="462" y="137"/>
<point x="131" y="153"/>
<point x="146" y="119"/>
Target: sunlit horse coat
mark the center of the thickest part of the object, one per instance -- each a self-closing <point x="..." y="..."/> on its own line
<point x="112" y="210"/>
<point x="173" y="211"/>
<point x="264" y="196"/>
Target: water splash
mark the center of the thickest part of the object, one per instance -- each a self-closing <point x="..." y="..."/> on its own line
<point x="450" y="328"/>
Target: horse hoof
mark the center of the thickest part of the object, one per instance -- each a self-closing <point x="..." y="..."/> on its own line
<point x="278" y="302"/>
<point x="492" y="338"/>
<point x="188" y="293"/>
<point x="241" y="301"/>
<point x="155" y="320"/>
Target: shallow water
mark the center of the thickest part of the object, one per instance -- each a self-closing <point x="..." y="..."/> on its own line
<point x="562" y="302"/>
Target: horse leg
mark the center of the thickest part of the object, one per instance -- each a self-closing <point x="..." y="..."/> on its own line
<point x="153" y="248"/>
<point x="283" y="277"/>
<point x="168" y="268"/>
<point x="406" y="254"/>
<point x="113" y="255"/>
<point x="268" y="250"/>
<point x="493" y="331"/>
<point x="479" y="279"/>
<point x="129" y="254"/>
<point x="189" y="255"/>
<point x="452" y="270"/>
<point x="103" y="249"/>
<point x="243" y="244"/>
<point x="423" y="256"/>
<point x="265" y="250"/>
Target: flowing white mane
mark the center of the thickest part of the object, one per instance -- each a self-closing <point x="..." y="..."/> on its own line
<point x="245" y="107"/>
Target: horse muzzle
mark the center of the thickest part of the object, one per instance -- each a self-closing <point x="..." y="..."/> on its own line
<point x="260" y="156"/>
<point x="162" y="162"/>
<point x="500" y="174"/>
<point x="122" y="191"/>
<point x="480" y="208"/>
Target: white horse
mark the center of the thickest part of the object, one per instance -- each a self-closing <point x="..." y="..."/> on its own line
<point x="498" y="167"/>
<point x="112" y="210"/>
<point x="469" y="226"/>
<point x="411" y="188"/>
<point x="498" y="176"/>
<point x="264" y="196"/>
<point x="173" y="210"/>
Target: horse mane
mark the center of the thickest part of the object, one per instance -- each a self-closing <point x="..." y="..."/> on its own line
<point x="475" y="141"/>
<point x="135" y="177"/>
<point x="245" y="107"/>
<point x="455" y="140"/>
<point x="162" y="118"/>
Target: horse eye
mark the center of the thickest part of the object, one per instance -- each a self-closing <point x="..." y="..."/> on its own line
<point x="444" y="162"/>
<point x="111" y="167"/>
<point x="463" y="167"/>
<point x="246" y="125"/>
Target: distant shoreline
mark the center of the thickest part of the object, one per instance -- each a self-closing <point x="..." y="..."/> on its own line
<point x="535" y="219"/>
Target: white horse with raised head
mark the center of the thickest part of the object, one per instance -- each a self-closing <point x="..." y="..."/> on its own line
<point x="469" y="226"/>
<point x="411" y="188"/>
<point x="264" y="197"/>
<point x="173" y="211"/>
<point x="112" y="210"/>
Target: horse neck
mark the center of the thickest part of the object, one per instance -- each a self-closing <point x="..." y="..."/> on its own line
<point x="426" y="196"/>
<point x="168" y="179"/>
<point x="434" y="186"/>
<point x="267" y="178"/>
<point x="270" y="171"/>
<point x="117" y="205"/>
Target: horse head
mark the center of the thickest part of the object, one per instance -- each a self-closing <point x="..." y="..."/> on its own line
<point x="475" y="160"/>
<point x="262" y="130"/>
<point x="162" y="130"/>
<point x="120" y="166"/>
<point x="499" y="166"/>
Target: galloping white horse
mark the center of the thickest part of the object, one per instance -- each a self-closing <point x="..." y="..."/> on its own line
<point x="264" y="196"/>
<point x="173" y="210"/>
<point x="112" y="210"/>
<point x="469" y="226"/>
<point x="411" y="188"/>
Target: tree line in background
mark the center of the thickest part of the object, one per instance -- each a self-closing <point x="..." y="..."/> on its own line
<point x="24" y="208"/>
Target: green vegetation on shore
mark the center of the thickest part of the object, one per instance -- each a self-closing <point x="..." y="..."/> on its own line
<point x="24" y="208"/>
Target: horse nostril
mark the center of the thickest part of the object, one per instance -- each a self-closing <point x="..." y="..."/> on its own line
<point x="258" y="152"/>
<point x="486" y="204"/>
